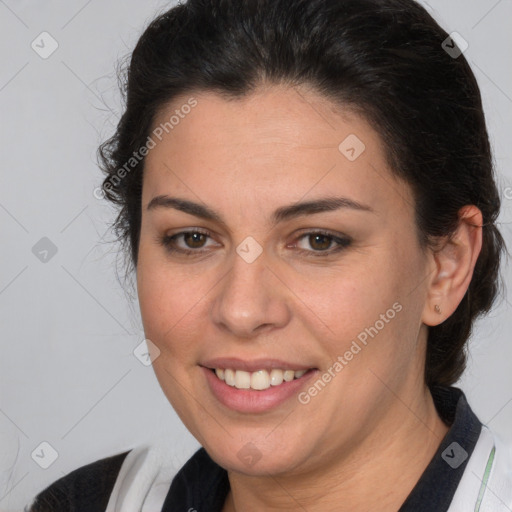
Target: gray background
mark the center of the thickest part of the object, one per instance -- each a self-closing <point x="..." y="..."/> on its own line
<point x="68" y="375"/>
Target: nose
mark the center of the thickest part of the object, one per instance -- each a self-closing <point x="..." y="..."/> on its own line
<point x="251" y="299"/>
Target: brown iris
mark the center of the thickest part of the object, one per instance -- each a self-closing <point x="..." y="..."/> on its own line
<point x="327" y="241"/>
<point x="194" y="238"/>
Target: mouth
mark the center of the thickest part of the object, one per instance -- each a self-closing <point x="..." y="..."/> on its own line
<point x="259" y="391"/>
<point x="259" y="380"/>
<point x="253" y="386"/>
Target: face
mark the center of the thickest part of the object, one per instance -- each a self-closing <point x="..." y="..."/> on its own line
<point x="251" y="278"/>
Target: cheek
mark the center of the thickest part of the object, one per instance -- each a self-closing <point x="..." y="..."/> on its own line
<point x="368" y="311"/>
<point x="349" y="298"/>
<point x="172" y="299"/>
<point x="161" y="299"/>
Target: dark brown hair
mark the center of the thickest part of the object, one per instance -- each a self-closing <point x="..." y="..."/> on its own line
<point x="383" y="57"/>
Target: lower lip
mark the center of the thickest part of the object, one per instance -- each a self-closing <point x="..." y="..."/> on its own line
<point x="252" y="400"/>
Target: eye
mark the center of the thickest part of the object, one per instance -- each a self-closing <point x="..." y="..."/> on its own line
<point x="322" y="243"/>
<point x="194" y="241"/>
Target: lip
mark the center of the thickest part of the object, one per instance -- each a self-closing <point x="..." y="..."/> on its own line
<point x="253" y="365"/>
<point x="252" y="400"/>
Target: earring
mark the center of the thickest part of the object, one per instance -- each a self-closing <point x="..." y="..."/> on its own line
<point x="437" y="309"/>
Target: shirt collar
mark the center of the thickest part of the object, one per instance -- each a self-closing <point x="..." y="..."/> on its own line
<point x="437" y="485"/>
<point x="202" y="484"/>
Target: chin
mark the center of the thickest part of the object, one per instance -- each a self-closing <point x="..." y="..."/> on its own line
<point x="249" y="459"/>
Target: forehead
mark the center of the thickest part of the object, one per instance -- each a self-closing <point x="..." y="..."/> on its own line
<point x="272" y="115"/>
<point x="279" y="142"/>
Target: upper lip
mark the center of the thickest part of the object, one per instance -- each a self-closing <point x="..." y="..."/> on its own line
<point x="252" y="365"/>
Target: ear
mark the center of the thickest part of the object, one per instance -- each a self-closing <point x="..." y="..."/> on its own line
<point x="453" y="265"/>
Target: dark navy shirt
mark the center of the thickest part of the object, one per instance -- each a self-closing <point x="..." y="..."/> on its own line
<point x="203" y="485"/>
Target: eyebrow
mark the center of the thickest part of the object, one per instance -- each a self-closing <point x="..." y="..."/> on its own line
<point x="283" y="213"/>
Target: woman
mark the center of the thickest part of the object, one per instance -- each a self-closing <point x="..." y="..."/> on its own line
<point x="307" y="196"/>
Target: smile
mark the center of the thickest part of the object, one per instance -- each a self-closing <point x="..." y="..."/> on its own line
<point x="258" y="380"/>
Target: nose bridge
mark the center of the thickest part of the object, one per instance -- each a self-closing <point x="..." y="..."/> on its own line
<point x="249" y="297"/>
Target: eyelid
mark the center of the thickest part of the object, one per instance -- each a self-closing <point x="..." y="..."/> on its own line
<point x="340" y="240"/>
<point x="320" y="231"/>
<point x="167" y="239"/>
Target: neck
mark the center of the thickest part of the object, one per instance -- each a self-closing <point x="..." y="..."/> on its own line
<point x="378" y="476"/>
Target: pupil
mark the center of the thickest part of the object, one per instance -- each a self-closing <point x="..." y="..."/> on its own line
<point x="195" y="238"/>
<point x="322" y="246"/>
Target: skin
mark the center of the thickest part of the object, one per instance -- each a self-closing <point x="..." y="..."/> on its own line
<point x="374" y="426"/>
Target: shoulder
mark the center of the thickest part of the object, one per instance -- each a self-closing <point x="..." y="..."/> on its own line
<point x="499" y="482"/>
<point x="85" y="489"/>
<point x="137" y="478"/>
<point x="487" y="480"/>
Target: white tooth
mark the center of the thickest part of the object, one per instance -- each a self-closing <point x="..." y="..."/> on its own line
<point x="288" y="375"/>
<point x="260" y="380"/>
<point x="242" y="379"/>
<point x="229" y="377"/>
<point x="276" y="377"/>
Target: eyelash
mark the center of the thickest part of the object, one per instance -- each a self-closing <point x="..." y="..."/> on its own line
<point x="168" y="242"/>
